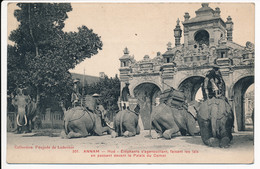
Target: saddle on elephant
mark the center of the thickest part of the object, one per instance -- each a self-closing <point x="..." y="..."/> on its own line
<point x="173" y="98"/>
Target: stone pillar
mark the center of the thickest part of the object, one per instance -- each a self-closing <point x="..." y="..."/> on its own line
<point x="177" y="33"/>
<point x="229" y="28"/>
<point x="125" y="68"/>
<point x="186" y="29"/>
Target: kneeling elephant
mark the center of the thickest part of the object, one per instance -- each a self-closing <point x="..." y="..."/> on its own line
<point x="79" y="122"/>
<point x="126" y="123"/>
<point x="169" y="120"/>
<point x="216" y="118"/>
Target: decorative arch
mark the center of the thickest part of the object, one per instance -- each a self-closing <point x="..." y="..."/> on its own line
<point x="190" y="85"/>
<point x="237" y="92"/>
<point x="230" y="92"/>
<point x="133" y="86"/>
<point x="202" y="37"/>
<point x="146" y="94"/>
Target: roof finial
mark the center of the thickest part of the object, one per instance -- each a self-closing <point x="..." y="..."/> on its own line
<point x="178" y="21"/>
<point x="169" y="45"/>
<point x="186" y="16"/>
<point x="205" y="4"/>
<point x="126" y="51"/>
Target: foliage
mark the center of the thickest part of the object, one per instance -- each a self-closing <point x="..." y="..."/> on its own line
<point x="43" y="53"/>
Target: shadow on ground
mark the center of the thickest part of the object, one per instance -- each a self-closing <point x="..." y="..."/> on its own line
<point x="193" y="140"/>
<point x="239" y="139"/>
<point x="47" y="132"/>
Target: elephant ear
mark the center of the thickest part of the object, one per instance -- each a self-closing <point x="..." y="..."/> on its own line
<point x="89" y="102"/>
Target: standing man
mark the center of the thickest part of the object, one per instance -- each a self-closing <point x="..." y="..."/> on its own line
<point x="124" y="96"/>
<point x="99" y="109"/>
<point x="75" y="96"/>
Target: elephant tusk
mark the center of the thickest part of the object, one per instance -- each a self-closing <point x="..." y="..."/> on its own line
<point x="25" y="118"/>
<point x="109" y="125"/>
<point x="17" y="120"/>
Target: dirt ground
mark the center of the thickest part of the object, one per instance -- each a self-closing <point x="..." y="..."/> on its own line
<point x="46" y="146"/>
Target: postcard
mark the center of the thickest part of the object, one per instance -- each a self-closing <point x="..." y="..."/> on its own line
<point x="130" y="83"/>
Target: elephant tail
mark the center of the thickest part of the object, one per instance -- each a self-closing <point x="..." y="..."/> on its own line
<point x="215" y="126"/>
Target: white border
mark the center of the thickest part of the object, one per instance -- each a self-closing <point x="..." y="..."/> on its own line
<point x="154" y="166"/>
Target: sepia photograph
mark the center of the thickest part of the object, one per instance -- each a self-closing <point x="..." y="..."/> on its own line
<point x="128" y="83"/>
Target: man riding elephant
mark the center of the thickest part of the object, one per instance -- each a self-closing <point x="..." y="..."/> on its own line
<point x="216" y="119"/>
<point x="75" y="96"/>
<point x="99" y="109"/>
<point x="215" y="115"/>
<point x="210" y="88"/>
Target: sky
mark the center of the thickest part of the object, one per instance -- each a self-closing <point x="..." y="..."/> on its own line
<point x="143" y="28"/>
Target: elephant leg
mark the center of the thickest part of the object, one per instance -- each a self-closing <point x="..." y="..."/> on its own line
<point x="192" y="126"/>
<point x="138" y="129"/>
<point x="117" y="129"/>
<point x="225" y="132"/>
<point x="130" y="130"/>
<point x="106" y="129"/>
<point x="168" y="133"/>
<point x="206" y="133"/>
<point x="171" y="126"/>
<point x="158" y="129"/>
<point x="19" y="130"/>
<point x="183" y="132"/>
<point x="28" y="126"/>
<point x="115" y="133"/>
<point x="77" y="130"/>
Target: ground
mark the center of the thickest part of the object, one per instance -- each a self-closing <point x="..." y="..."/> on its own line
<point x="47" y="146"/>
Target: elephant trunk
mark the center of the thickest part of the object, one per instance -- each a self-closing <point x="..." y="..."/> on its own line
<point x="214" y="118"/>
<point x="214" y="127"/>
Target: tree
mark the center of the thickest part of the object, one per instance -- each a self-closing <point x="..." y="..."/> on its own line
<point x="43" y="53"/>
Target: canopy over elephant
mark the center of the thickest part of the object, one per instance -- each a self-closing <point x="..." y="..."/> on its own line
<point x="216" y="119"/>
<point x="26" y="110"/>
<point x="169" y="120"/>
<point x="83" y="121"/>
<point x="126" y="122"/>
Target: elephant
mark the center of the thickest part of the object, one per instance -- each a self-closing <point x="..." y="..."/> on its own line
<point x="126" y="123"/>
<point x="26" y="111"/>
<point x="216" y="119"/>
<point x="168" y="120"/>
<point x="82" y="122"/>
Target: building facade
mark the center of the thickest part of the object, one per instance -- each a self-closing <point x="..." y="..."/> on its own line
<point x="208" y="40"/>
